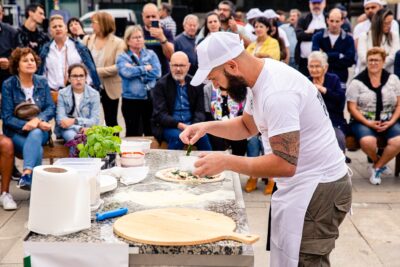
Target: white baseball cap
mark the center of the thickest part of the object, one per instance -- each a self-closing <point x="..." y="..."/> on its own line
<point x="379" y="2"/>
<point x="270" y="14"/>
<point x="215" y="50"/>
<point x="254" y="13"/>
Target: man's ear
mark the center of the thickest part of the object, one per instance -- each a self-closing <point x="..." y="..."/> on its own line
<point x="231" y="67"/>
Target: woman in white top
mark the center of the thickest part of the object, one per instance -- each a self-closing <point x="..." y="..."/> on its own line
<point x="379" y="36"/>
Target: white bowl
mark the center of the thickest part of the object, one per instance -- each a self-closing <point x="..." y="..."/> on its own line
<point x="132" y="159"/>
<point x="186" y="163"/>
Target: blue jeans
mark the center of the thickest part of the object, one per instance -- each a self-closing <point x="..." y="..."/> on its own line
<point x="254" y="147"/>
<point x="360" y="130"/>
<point x="31" y="147"/>
<point x="68" y="134"/>
<point x="171" y="135"/>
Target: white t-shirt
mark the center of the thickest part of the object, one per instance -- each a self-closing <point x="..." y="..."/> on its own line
<point x="78" y="100"/>
<point x="333" y="38"/>
<point x="283" y="35"/>
<point x="283" y="100"/>
<point x="28" y="91"/>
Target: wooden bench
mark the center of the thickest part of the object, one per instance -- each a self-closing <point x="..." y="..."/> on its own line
<point x="353" y="145"/>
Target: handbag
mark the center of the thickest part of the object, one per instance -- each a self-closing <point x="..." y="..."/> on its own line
<point x="26" y="110"/>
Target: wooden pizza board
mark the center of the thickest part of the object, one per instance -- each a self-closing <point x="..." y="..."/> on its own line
<point x="178" y="227"/>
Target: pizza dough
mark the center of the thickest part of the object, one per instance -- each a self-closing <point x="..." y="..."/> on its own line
<point x="177" y="176"/>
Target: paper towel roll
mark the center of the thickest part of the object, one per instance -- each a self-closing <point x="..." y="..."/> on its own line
<point x="60" y="201"/>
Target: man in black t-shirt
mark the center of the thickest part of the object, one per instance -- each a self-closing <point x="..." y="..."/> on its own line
<point x="29" y="34"/>
<point x="157" y="38"/>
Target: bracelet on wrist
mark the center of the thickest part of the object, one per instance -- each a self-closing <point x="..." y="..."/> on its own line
<point x="164" y="42"/>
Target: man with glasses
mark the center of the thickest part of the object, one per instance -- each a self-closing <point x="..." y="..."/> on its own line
<point x="29" y="35"/>
<point x="156" y="37"/>
<point x="306" y="28"/>
<point x="226" y="11"/>
<point x="177" y="104"/>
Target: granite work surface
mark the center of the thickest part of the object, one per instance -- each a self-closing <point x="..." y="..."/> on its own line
<point x="223" y="197"/>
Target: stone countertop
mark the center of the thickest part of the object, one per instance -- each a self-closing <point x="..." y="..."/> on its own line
<point x="223" y="197"/>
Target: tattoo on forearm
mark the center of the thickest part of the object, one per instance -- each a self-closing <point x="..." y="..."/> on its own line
<point x="286" y="146"/>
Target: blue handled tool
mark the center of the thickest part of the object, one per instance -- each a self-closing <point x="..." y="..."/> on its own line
<point x="100" y="216"/>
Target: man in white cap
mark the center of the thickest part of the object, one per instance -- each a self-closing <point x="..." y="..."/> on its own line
<point x="370" y="9"/>
<point x="307" y="26"/>
<point x="314" y="190"/>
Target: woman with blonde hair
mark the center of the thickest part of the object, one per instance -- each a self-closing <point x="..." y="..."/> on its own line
<point x="105" y="48"/>
<point x="139" y="69"/>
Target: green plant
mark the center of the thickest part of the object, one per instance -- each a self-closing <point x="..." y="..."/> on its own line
<point x="100" y="141"/>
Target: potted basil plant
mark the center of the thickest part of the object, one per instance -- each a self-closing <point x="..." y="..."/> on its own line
<point x="101" y="142"/>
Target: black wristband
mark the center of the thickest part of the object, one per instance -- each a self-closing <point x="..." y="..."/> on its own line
<point x="164" y="42"/>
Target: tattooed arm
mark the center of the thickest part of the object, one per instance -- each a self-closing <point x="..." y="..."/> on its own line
<point x="281" y="163"/>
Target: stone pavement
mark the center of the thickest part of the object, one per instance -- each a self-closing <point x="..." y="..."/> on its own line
<point x="370" y="237"/>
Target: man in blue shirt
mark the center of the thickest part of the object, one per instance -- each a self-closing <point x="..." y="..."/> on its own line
<point x="177" y="104"/>
<point x="290" y="29"/>
<point x="186" y="41"/>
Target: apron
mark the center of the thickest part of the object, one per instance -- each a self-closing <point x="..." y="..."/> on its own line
<point x="289" y="205"/>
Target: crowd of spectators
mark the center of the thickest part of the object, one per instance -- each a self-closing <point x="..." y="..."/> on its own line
<point x="69" y="75"/>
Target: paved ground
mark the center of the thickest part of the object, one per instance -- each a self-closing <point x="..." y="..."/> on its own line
<point x="371" y="237"/>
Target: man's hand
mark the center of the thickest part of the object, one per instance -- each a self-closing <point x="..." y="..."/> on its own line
<point x="193" y="133"/>
<point x="30" y="125"/>
<point x="233" y="25"/>
<point x="210" y="164"/>
<point x="182" y="126"/>
<point x="66" y="123"/>
<point x="157" y="33"/>
<point x="44" y="126"/>
<point x="4" y="63"/>
<point x="148" y="67"/>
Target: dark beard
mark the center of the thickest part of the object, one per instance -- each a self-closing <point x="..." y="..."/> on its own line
<point x="237" y="87"/>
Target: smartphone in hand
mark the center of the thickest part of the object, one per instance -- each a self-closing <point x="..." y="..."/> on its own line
<point x="155" y="24"/>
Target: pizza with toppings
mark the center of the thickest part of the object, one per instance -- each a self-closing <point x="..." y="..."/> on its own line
<point x="178" y="176"/>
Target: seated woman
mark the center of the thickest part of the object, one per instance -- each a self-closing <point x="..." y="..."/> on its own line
<point x="6" y="168"/>
<point x="373" y="100"/>
<point x="28" y="136"/>
<point x="334" y="95"/>
<point x="78" y="105"/>
<point x="139" y="69"/>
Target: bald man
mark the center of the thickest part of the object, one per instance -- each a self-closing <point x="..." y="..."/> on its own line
<point x="337" y="44"/>
<point x="156" y="37"/>
<point x="177" y="104"/>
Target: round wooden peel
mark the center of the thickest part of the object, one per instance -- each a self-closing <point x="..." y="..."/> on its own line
<point x="179" y="227"/>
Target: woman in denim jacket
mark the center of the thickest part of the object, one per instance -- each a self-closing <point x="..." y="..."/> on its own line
<point x="28" y="136"/>
<point x="78" y="105"/>
<point x="139" y="69"/>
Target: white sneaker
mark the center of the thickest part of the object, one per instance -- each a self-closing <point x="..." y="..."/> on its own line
<point x="7" y="201"/>
<point x="375" y="178"/>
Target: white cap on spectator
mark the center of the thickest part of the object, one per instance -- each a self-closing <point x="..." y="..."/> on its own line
<point x="270" y="14"/>
<point x="214" y="51"/>
<point x="254" y="13"/>
<point x="379" y="2"/>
